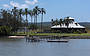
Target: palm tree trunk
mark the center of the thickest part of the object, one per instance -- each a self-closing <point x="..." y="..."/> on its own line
<point x="20" y="20"/>
<point x="36" y="20"/>
<point x="26" y="25"/>
<point x="31" y="19"/>
<point x="26" y="21"/>
<point x="7" y="20"/>
<point x="41" y="22"/>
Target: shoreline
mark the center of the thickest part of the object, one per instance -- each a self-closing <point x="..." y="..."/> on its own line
<point x="66" y="37"/>
<point x="13" y="37"/>
<point x="47" y="37"/>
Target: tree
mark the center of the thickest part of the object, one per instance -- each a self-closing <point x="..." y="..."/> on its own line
<point x="36" y="11"/>
<point x="15" y="12"/>
<point x="31" y="14"/>
<point x="42" y="12"/>
<point x="61" y="22"/>
<point x="20" y="15"/>
<point x="67" y="22"/>
<point x="52" y="22"/>
<point x="56" y="22"/>
<point x="26" y="13"/>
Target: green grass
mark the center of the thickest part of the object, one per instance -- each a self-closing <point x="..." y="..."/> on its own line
<point x="61" y="34"/>
<point x="50" y="34"/>
<point x="18" y="34"/>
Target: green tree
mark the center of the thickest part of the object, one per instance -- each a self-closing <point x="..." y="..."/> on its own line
<point x="56" y="22"/>
<point x="67" y="21"/>
<point x="42" y="12"/>
<point x="20" y="15"/>
<point x="15" y="12"/>
<point x="61" y="22"/>
<point x="36" y="11"/>
<point x="52" y="22"/>
<point x="26" y="13"/>
<point x="31" y="15"/>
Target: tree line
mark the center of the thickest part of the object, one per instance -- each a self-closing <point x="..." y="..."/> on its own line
<point x="14" y="18"/>
<point x="62" y="22"/>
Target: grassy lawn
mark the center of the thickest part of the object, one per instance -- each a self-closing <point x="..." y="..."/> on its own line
<point x="18" y="34"/>
<point x="61" y="34"/>
<point x="53" y="34"/>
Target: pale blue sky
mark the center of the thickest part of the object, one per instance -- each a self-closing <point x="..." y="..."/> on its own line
<point x="79" y="9"/>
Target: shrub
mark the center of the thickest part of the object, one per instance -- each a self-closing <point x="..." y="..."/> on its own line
<point x="5" y="30"/>
<point x="77" y="32"/>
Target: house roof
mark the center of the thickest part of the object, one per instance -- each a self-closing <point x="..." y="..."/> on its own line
<point x="71" y="25"/>
<point x="69" y="18"/>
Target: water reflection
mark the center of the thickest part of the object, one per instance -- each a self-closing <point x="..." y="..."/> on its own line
<point x="21" y="48"/>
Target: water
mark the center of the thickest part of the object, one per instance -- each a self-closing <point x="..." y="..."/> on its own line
<point x="18" y="47"/>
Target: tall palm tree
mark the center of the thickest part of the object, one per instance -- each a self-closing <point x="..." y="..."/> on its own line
<point x="36" y="11"/>
<point x="31" y="14"/>
<point x="20" y="15"/>
<point x="42" y="12"/>
<point x="15" y="11"/>
<point x="5" y="16"/>
<point x="26" y="13"/>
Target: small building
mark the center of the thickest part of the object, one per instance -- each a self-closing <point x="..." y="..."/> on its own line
<point x="72" y="26"/>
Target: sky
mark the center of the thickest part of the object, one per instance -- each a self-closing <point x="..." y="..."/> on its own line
<point x="79" y="9"/>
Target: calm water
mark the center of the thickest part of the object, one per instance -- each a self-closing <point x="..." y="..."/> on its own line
<point x="21" y="48"/>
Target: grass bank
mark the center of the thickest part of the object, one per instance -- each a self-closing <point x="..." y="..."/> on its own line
<point x="51" y="34"/>
<point x="60" y="34"/>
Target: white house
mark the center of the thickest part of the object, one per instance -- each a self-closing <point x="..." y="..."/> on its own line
<point x="72" y="26"/>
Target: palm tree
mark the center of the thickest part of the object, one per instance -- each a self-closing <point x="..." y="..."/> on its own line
<point x="67" y="22"/>
<point x="31" y="14"/>
<point x="52" y="22"/>
<point x="26" y="13"/>
<point x="5" y="16"/>
<point x="14" y="11"/>
<point x="42" y="12"/>
<point x="20" y="15"/>
<point x="61" y="22"/>
<point x="36" y="11"/>
<point x="56" y="22"/>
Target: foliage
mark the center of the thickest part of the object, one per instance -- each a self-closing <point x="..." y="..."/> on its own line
<point x="14" y="18"/>
<point x="5" y="30"/>
<point x="77" y="32"/>
<point x="33" y="26"/>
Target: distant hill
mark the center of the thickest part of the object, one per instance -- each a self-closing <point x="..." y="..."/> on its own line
<point x="86" y="24"/>
<point x="46" y="23"/>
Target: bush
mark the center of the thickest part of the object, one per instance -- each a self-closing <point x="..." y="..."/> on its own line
<point x="33" y="26"/>
<point x="77" y="32"/>
<point x="5" y="30"/>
